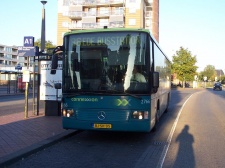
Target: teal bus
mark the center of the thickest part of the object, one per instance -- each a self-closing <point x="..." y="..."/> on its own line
<point x="99" y="87"/>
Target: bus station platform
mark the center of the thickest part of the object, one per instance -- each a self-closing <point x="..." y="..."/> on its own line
<point x="20" y="137"/>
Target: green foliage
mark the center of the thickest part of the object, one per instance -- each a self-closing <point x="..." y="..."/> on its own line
<point x="48" y="44"/>
<point x="222" y="79"/>
<point x="210" y="72"/>
<point x="184" y="65"/>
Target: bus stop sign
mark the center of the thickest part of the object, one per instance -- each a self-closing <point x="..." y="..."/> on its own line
<point x="26" y="51"/>
<point x="28" y="41"/>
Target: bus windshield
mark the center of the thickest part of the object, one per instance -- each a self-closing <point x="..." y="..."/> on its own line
<point x="109" y="62"/>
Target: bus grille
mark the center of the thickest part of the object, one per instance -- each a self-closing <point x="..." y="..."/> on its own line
<point x="110" y="115"/>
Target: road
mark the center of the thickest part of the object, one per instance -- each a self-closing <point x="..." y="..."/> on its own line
<point x="191" y="134"/>
<point x="198" y="140"/>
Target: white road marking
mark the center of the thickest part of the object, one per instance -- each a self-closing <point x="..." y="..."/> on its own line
<point x="166" y="147"/>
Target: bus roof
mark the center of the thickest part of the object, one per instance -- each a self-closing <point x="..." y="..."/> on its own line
<point x="107" y="30"/>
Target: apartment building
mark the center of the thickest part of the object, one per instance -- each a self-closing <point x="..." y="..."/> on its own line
<point x="90" y="14"/>
<point x="9" y="58"/>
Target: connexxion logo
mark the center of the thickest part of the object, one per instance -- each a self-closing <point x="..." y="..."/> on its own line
<point x="122" y="102"/>
<point x="84" y="99"/>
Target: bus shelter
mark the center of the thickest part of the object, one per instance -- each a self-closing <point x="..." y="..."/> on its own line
<point x="11" y="82"/>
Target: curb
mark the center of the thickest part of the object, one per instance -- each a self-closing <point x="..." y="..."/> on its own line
<point x="16" y="156"/>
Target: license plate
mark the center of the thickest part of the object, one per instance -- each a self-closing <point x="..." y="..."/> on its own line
<point x="106" y="126"/>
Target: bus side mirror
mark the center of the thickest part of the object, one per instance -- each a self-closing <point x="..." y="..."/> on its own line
<point x="56" y="52"/>
<point x="155" y="81"/>
<point x="54" y="64"/>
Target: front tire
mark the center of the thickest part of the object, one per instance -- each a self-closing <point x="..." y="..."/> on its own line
<point x="156" y="120"/>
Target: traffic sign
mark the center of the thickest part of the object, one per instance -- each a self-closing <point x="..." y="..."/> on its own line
<point x="26" y="51"/>
<point x="26" y="76"/>
<point x="18" y="67"/>
<point x="28" y="41"/>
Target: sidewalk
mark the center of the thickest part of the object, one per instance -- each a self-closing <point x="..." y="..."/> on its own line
<point x="20" y="137"/>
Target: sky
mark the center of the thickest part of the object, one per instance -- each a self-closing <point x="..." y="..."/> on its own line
<point x="20" y="18"/>
<point x="196" y="25"/>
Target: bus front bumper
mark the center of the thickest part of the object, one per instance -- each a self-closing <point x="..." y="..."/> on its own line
<point x="129" y="125"/>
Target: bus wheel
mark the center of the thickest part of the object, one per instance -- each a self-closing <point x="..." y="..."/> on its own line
<point x="156" y="120"/>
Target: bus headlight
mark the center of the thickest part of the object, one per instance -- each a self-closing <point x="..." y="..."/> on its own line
<point x="140" y="115"/>
<point x="67" y="112"/>
<point x="64" y="112"/>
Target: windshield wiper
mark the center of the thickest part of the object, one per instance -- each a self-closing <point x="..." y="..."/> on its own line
<point x="81" y="92"/>
<point x="122" y="92"/>
<point x="100" y="92"/>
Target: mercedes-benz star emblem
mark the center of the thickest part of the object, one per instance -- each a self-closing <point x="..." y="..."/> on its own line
<point x="101" y="115"/>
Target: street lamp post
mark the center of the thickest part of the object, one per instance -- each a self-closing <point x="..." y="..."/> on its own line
<point x="43" y="27"/>
<point x="42" y="50"/>
<point x="50" y="105"/>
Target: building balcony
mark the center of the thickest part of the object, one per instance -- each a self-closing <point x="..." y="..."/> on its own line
<point x="103" y="13"/>
<point x="14" y="62"/>
<point x="76" y="2"/>
<point x="89" y="3"/>
<point x="73" y="14"/>
<point x="2" y="51"/>
<point x="86" y="14"/>
<point x="117" y="2"/>
<point x="116" y="24"/>
<point x="119" y="11"/>
<point x="14" y="59"/>
<point x="14" y="49"/>
<point x="6" y="57"/>
<point x="77" y="15"/>
<point x="95" y="2"/>
<point x="89" y="25"/>
<point x="14" y="53"/>
<point x="74" y="26"/>
<point x="102" y="24"/>
<point x="103" y="2"/>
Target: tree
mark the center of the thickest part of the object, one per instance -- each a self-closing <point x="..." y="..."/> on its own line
<point x="48" y="44"/>
<point x="223" y="79"/>
<point x="209" y="72"/>
<point x="184" y="65"/>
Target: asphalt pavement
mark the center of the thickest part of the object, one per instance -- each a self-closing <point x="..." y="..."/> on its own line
<point x="20" y="137"/>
